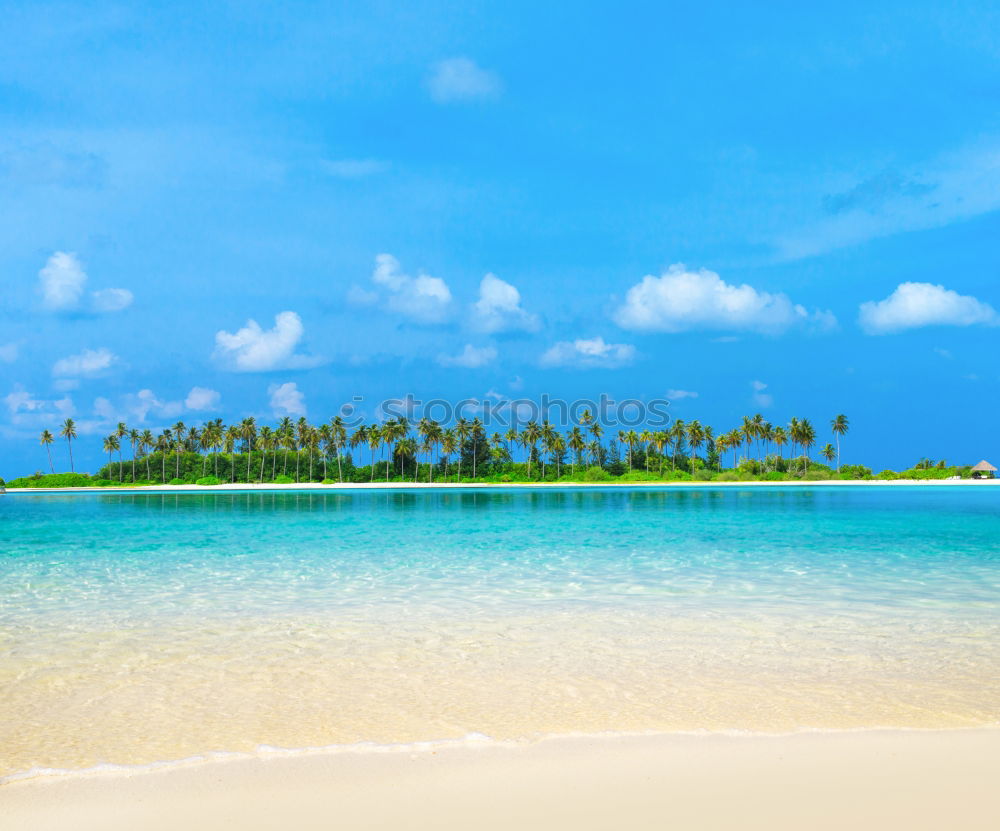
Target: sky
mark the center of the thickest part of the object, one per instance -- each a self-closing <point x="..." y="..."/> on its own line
<point x="270" y="209"/>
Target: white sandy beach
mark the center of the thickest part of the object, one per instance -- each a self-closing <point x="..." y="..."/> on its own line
<point x="851" y="779"/>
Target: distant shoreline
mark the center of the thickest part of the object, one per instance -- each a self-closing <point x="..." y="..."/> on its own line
<point x="348" y="486"/>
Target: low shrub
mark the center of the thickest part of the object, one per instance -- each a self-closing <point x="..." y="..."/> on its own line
<point x="102" y="483"/>
<point x="703" y="475"/>
<point x="177" y="481"/>
<point x="774" y="476"/>
<point x="887" y="474"/>
<point x="207" y="481"/>
<point x="329" y="482"/>
<point x="284" y="480"/>
<point x="727" y="476"/>
<point x="817" y="475"/>
<point x="596" y="474"/>
<point x="855" y="472"/>
<point x="51" y="480"/>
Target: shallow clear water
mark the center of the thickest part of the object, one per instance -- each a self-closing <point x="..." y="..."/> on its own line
<point x="137" y="628"/>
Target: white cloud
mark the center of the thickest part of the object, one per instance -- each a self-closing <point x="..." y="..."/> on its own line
<point x="588" y="353"/>
<point x="422" y="298"/>
<point x="30" y="413"/>
<point x="461" y="79"/>
<point x="253" y="349"/>
<point x="287" y="400"/>
<point x="499" y="308"/>
<point x="938" y="192"/>
<point x="89" y="363"/>
<point x="202" y="398"/>
<point x="9" y="352"/>
<point x="62" y="281"/>
<point x="111" y="300"/>
<point x="354" y="168"/>
<point x="471" y="357"/>
<point x="760" y="398"/>
<point x="680" y="300"/>
<point x="677" y="395"/>
<point x="913" y="305"/>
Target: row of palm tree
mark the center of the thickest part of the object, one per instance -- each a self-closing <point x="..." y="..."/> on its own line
<point x="398" y="441"/>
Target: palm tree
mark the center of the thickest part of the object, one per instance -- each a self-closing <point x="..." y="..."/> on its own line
<point x="339" y="436"/>
<point x="248" y="432"/>
<point x="121" y="432"/>
<point x="646" y="437"/>
<point x="231" y="438"/>
<point x="68" y="432"/>
<point x="477" y="428"/>
<point x="529" y="438"/>
<point x="576" y="446"/>
<point x="374" y="442"/>
<point x="829" y="452"/>
<point x="462" y="430"/>
<point x="133" y="437"/>
<point x="678" y="430"/>
<point x="695" y="437"/>
<point x="660" y="440"/>
<point x="46" y="440"/>
<point x="163" y="445"/>
<point x="840" y="425"/>
<point x="146" y="443"/>
<point x="807" y="438"/>
<point x="547" y="437"/>
<point x="596" y="430"/>
<point x="264" y="443"/>
<point x="285" y="431"/>
<point x="449" y="444"/>
<point x="179" y="430"/>
<point x="431" y="433"/>
<point x="111" y="444"/>
<point x="325" y="437"/>
<point x="780" y="439"/>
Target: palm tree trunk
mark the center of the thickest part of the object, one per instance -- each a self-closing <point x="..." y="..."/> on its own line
<point x="49" y="451"/>
<point x="70" y="443"/>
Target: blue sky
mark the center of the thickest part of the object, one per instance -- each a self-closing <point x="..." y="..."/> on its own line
<point x="262" y="209"/>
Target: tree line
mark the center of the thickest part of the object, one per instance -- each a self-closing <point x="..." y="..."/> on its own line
<point x="425" y="450"/>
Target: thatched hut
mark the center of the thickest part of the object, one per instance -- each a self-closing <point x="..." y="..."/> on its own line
<point x="984" y="470"/>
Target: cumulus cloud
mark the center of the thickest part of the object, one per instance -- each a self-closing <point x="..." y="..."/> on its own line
<point x="677" y="395"/>
<point x="28" y="412"/>
<point x="287" y="400"/>
<point x="760" y="398"/>
<point x="471" y="357"/>
<point x="254" y="349"/>
<point x="462" y="79"/>
<point x="202" y="398"/>
<point x="913" y="305"/>
<point x="679" y="300"/>
<point x="9" y="352"/>
<point x="498" y="308"/>
<point x="111" y="300"/>
<point x="87" y="364"/>
<point x="354" y="168"/>
<point x="62" y="282"/>
<point x="588" y="353"/>
<point x="422" y="298"/>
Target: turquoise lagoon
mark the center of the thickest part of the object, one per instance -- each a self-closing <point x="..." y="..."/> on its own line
<point x="143" y="627"/>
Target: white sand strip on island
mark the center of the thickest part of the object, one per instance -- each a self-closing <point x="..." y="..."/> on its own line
<point x="311" y="486"/>
<point x="857" y="780"/>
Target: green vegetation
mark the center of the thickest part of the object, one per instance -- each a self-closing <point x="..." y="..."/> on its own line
<point x="426" y="451"/>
